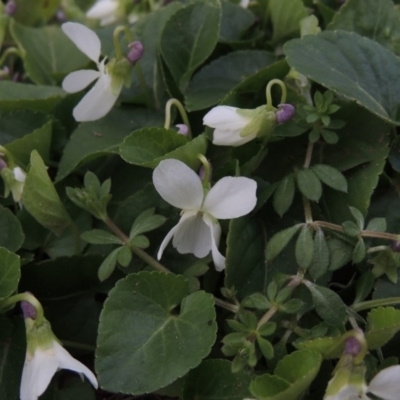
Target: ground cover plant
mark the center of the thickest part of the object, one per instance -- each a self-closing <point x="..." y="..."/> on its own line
<point x="200" y="199"/>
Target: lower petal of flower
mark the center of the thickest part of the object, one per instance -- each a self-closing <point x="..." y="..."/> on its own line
<point x="97" y="102"/>
<point x="193" y="236"/>
<point x="215" y="228"/>
<point x="386" y="384"/>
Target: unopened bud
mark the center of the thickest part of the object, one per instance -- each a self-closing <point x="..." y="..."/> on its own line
<point x="182" y="129"/>
<point x="202" y="172"/>
<point x="285" y="113"/>
<point x="395" y="246"/>
<point x="352" y="346"/>
<point x="10" y="8"/>
<point x="135" y="53"/>
<point x="61" y="17"/>
<point x="28" y="310"/>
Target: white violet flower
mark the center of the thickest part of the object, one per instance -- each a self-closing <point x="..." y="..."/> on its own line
<point x="44" y="356"/>
<point x="14" y="181"/>
<point x="198" y="231"/>
<point x="103" y="95"/>
<point x="105" y="11"/>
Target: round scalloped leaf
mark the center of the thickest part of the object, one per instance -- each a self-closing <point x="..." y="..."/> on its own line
<point x="147" y="147"/>
<point x="163" y="332"/>
<point x="293" y="374"/>
<point x="214" y="379"/>
<point x="383" y="324"/>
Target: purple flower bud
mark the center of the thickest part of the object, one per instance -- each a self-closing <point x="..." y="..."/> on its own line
<point x="182" y="129"/>
<point x="61" y="17"/>
<point x="135" y="53"/>
<point x="10" y="8"/>
<point x="3" y="164"/>
<point x="285" y="113"/>
<point x="352" y="346"/>
<point x="395" y="246"/>
<point x="28" y="310"/>
<point x="202" y="172"/>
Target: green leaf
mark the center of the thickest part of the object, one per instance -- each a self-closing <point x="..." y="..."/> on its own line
<point x="382" y="324"/>
<point x="309" y="184"/>
<point x="49" y="54"/>
<point x="108" y="265"/>
<point x="245" y="267"/>
<point x="140" y="241"/>
<point x="12" y="356"/>
<point x="124" y="256"/>
<point x="98" y="138"/>
<point x="266" y="347"/>
<point x="40" y="198"/>
<point x="279" y="241"/>
<point x="320" y="262"/>
<point x="189" y="37"/>
<point x="377" y="21"/>
<point x="154" y="333"/>
<point x="284" y="194"/>
<point x="350" y="228"/>
<point x="213" y="379"/>
<point x="11" y="233"/>
<point x="286" y="16"/>
<point x="9" y="272"/>
<point x="386" y="262"/>
<point x="35" y="12"/>
<point x="258" y="301"/>
<point x="98" y="236"/>
<point x="331" y="177"/>
<point x="340" y="253"/>
<point x="328" y="305"/>
<point x="358" y="217"/>
<point x="304" y="248"/>
<point x="146" y="222"/>
<point x="359" y="251"/>
<point x="148" y="146"/>
<point x="223" y="75"/>
<point x="377" y="225"/>
<point x="373" y="85"/>
<point x="235" y="21"/>
<point x="329" y="347"/>
<point x="293" y="374"/>
<point x="39" y="140"/>
<point x="22" y="96"/>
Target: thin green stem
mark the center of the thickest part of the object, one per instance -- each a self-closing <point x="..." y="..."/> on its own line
<point x="309" y="153"/>
<point x="182" y="112"/>
<point x="267" y="316"/>
<point x="307" y="210"/>
<point x="228" y="306"/>
<point x="136" y="250"/>
<point x="376" y="249"/>
<point x="366" y="305"/>
<point x="271" y="83"/>
<point x="8" y="52"/>
<point x="117" y="44"/>
<point x="207" y="169"/>
<point x="28" y="298"/>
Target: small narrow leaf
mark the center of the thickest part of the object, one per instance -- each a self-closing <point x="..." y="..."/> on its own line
<point x="108" y="265"/>
<point x="377" y="225"/>
<point x="279" y="241"/>
<point x="309" y="184"/>
<point x="284" y="194"/>
<point x="10" y="272"/>
<point x="304" y="250"/>
<point x="358" y="217"/>
<point x="328" y="304"/>
<point x="266" y="347"/>
<point x="320" y="261"/>
<point x="359" y="251"/>
<point x="331" y="177"/>
<point x="350" y="228"/>
<point x="98" y="236"/>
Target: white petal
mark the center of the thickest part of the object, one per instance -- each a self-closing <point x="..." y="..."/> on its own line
<point x="37" y="373"/>
<point x="386" y="384"/>
<point x="84" y="39"/>
<point x="224" y="137"/>
<point x="178" y="185"/>
<point x="193" y="236"/>
<point x="97" y="102"/>
<point x="225" y="118"/>
<point x="171" y="233"/>
<point x="79" y="80"/>
<point x="102" y="9"/>
<point x="231" y="197"/>
<point x="66" y="361"/>
<point x="19" y="174"/>
<point x="215" y="228"/>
